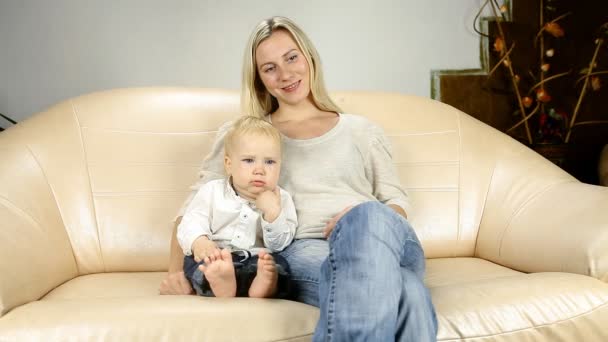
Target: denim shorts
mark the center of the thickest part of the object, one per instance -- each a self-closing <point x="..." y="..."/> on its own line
<point x="245" y="270"/>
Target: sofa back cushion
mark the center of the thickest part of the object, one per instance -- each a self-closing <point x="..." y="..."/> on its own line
<point x="141" y="150"/>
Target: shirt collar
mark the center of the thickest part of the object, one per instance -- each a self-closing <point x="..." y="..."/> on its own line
<point x="230" y="193"/>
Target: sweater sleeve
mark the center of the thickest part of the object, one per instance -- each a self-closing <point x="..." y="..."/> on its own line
<point x="382" y="173"/>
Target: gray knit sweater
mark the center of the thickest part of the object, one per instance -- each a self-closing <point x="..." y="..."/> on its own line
<point x="348" y="165"/>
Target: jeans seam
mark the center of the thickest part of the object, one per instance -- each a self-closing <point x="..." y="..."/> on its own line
<point x="332" y="282"/>
<point x="331" y="302"/>
<point x="316" y="281"/>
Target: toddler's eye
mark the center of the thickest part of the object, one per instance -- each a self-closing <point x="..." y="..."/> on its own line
<point x="248" y="160"/>
<point x="271" y="162"/>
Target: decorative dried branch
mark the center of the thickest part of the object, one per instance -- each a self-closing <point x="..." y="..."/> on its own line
<point x="526" y="118"/>
<point x="547" y="80"/>
<point x="584" y="90"/>
<point x="542" y="97"/>
<point x="512" y="73"/>
<point x="590" y="122"/>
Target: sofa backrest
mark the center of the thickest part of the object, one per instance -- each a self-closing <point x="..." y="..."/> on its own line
<point x="119" y="164"/>
<point x="142" y="149"/>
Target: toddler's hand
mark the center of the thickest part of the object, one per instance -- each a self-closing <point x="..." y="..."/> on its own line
<point x="203" y="247"/>
<point x="269" y="202"/>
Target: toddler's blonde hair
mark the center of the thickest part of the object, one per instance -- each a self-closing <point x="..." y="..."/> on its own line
<point x="247" y="125"/>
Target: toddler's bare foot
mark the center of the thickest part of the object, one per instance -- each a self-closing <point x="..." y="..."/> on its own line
<point x="219" y="272"/>
<point x="265" y="283"/>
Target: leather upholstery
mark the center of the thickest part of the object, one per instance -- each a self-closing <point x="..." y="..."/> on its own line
<point x="517" y="248"/>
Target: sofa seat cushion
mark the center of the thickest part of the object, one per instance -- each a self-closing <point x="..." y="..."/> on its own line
<point x="477" y="300"/>
<point x="109" y="285"/>
<point x="127" y="307"/>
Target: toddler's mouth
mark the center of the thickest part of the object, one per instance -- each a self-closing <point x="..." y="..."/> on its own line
<point x="258" y="183"/>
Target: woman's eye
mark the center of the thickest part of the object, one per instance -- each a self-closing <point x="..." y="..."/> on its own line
<point x="292" y="58"/>
<point x="270" y="69"/>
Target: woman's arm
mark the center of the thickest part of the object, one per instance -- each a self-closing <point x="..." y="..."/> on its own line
<point x="382" y="174"/>
<point x="175" y="282"/>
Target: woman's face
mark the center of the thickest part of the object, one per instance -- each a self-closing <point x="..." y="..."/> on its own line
<point x="283" y="68"/>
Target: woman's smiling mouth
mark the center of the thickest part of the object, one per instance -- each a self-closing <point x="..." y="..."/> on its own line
<point x="292" y="87"/>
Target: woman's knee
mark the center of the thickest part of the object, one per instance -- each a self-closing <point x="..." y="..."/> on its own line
<point x="376" y="218"/>
<point x="371" y="207"/>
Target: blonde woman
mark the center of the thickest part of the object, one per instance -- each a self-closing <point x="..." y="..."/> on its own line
<point x="355" y="256"/>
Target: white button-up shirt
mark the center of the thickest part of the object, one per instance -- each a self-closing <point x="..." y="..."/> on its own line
<point x="233" y="222"/>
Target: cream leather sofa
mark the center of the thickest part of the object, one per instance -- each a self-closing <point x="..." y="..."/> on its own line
<point x="518" y="249"/>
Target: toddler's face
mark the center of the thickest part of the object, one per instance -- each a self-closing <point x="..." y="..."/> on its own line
<point x="254" y="164"/>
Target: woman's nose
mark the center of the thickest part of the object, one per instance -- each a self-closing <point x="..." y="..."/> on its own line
<point x="285" y="74"/>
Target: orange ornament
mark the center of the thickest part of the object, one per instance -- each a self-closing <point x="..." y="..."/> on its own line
<point x="542" y="95"/>
<point x="554" y="29"/>
<point x="545" y="67"/>
<point x="595" y="83"/>
<point x="499" y="45"/>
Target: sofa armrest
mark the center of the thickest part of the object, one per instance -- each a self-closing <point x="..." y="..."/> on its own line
<point x="35" y="250"/>
<point x="561" y="228"/>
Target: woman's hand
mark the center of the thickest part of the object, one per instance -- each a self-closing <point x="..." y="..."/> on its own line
<point x="398" y="210"/>
<point x="331" y="224"/>
<point x="175" y="283"/>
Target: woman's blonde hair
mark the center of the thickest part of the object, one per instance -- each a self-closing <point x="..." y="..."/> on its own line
<point x="255" y="99"/>
<point x="247" y="125"/>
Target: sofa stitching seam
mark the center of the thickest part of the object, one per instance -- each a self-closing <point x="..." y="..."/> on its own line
<point x="88" y="171"/>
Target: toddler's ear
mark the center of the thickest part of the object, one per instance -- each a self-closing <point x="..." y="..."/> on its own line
<point x="227" y="166"/>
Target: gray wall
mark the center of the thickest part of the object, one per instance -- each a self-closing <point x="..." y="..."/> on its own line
<point x="53" y="50"/>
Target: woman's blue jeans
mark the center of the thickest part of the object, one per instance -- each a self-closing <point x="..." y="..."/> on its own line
<point x="367" y="280"/>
